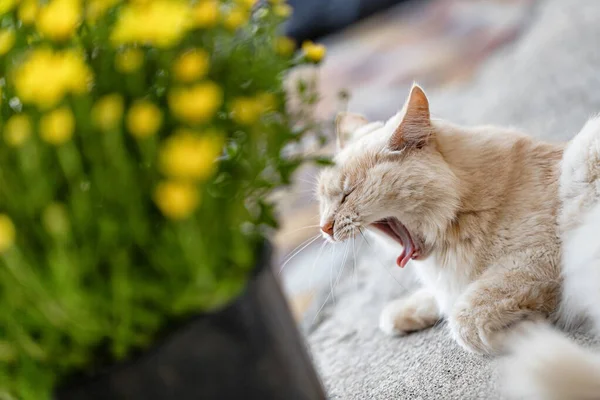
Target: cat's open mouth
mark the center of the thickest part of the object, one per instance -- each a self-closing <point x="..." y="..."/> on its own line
<point x="394" y="229"/>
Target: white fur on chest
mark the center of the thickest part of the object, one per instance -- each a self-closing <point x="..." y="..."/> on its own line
<point x="446" y="282"/>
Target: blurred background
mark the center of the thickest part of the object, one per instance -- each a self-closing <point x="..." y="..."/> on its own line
<point x="376" y="49"/>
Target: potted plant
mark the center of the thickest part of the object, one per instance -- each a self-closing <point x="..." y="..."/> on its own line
<point x="141" y="142"/>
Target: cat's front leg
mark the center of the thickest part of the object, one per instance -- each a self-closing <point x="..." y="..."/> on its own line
<point x="495" y="307"/>
<point x="409" y="314"/>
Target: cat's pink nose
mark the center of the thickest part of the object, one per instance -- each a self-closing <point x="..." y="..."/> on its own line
<point x="328" y="228"/>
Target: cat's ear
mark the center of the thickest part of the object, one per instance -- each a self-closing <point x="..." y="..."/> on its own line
<point x="415" y="129"/>
<point x="345" y="125"/>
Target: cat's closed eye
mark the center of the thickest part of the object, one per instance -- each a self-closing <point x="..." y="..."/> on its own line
<point x="345" y="195"/>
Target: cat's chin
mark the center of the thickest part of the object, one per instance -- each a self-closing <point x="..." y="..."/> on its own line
<point x="412" y="248"/>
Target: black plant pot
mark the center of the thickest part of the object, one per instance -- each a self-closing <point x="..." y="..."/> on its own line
<point x="249" y="350"/>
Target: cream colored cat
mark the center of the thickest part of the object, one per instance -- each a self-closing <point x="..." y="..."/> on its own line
<point x="475" y="209"/>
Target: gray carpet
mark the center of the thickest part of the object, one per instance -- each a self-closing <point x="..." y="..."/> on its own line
<point x="548" y="83"/>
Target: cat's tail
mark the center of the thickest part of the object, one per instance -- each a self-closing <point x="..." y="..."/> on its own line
<point x="546" y="365"/>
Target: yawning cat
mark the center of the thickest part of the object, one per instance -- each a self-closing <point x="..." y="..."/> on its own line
<point x="474" y="209"/>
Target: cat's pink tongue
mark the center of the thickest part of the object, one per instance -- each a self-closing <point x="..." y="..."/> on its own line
<point x="407" y="254"/>
<point x="408" y="251"/>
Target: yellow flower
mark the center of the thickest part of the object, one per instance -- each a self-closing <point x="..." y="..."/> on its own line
<point x="130" y="60"/>
<point x="97" y="8"/>
<point x="268" y="101"/>
<point x="108" y="112"/>
<point x="7" y="233"/>
<point x="285" y="46"/>
<point x="206" y="14"/>
<point x="55" y="219"/>
<point x="247" y="3"/>
<point x="176" y="200"/>
<point x="186" y="155"/>
<point x="17" y="130"/>
<point x="246" y="110"/>
<point x="47" y="76"/>
<point x="235" y="18"/>
<point x="6" y="5"/>
<point x="196" y="104"/>
<point x="191" y="65"/>
<point x="7" y="40"/>
<point x="28" y="11"/>
<point x="74" y="72"/>
<point x="277" y="1"/>
<point x="313" y="52"/>
<point x="143" y="119"/>
<point x="161" y="23"/>
<point x="59" y="19"/>
<point x="57" y="127"/>
<point x="283" y="10"/>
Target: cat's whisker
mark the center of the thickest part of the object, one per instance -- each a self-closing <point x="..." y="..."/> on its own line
<point x="312" y="182"/>
<point x="321" y="308"/>
<point x="354" y="260"/>
<point x="331" y="274"/>
<point x="304" y="246"/>
<point x="312" y="269"/>
<point x="304" y="190"/>
<point x="300" y="245"/>
<point x="379" y="262"/>
<point x="299" y="229"/>
<point x="314" y="290"/>
<point x="343" y="266"/>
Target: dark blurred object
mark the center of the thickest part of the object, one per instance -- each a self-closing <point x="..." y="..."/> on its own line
<point x="249" y="350"/>
<point x="315" y="18"/>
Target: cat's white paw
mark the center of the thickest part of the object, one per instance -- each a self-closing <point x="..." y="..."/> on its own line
<point x="387" y="320"/>
<point x="413" y="313"/>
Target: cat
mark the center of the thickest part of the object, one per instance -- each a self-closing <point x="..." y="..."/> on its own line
<point x="474" y="208"/>
<point x="544" y="364"/>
